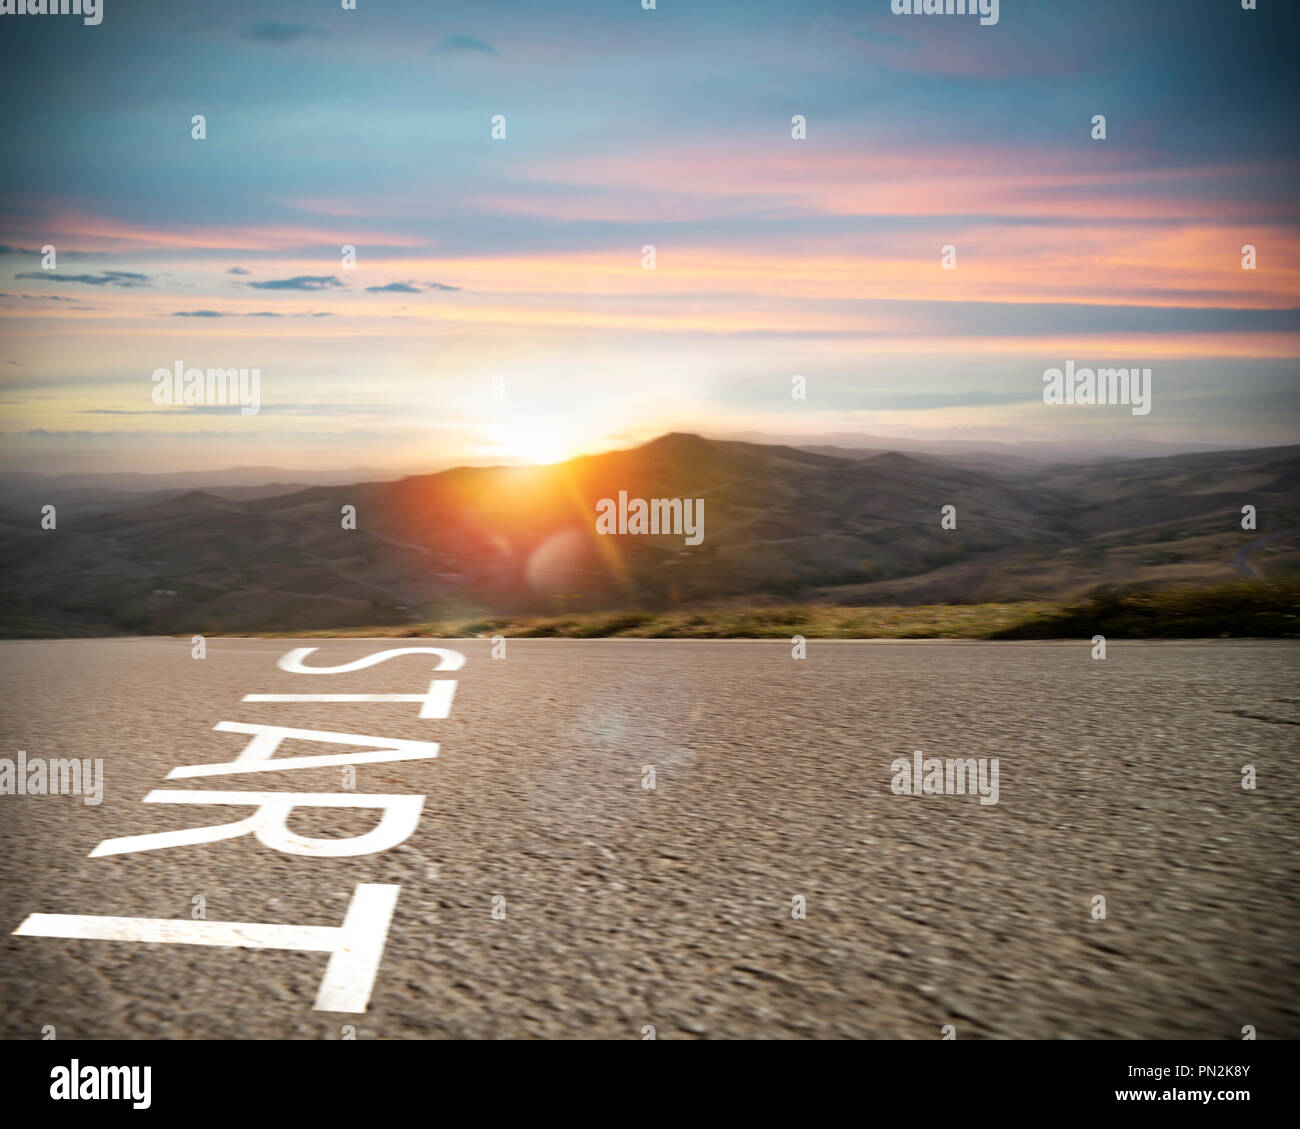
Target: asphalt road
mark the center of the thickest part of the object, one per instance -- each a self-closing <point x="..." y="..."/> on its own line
<point x="626" y="907"/>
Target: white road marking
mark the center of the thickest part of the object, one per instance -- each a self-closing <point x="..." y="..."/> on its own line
<point x="269" y="823"/>
<point x="356" y="947"/>
<point x="257" y="754"/>
<point x="437" y="700"/>
<point x="350" y="975"/>
<point x="292" y="660"/>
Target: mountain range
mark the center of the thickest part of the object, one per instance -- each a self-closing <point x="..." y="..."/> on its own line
<point x="780" y="523"/>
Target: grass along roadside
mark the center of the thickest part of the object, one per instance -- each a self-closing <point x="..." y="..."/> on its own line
<point x="1240" y="609"/>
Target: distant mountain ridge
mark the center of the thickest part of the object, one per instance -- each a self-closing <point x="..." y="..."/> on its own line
<point x="780" y="522"/>
<point x="1013" y="452"/>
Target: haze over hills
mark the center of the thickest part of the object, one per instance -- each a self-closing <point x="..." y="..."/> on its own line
<point x="990" y="452"/>
<point x="779" y="522"/>
<point x="251" y="477"/>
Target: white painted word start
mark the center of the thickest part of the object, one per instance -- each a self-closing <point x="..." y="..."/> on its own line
<point x="357" y="946"/>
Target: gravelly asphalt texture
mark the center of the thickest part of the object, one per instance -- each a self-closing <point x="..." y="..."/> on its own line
<point x="627" y="907"/>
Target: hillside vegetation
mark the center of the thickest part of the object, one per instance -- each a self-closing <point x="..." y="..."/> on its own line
<point x="781" y="526"/>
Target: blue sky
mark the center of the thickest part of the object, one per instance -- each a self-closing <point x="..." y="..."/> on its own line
<point x="521" y="258"/>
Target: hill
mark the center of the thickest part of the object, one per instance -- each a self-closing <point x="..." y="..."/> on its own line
<point x="779" y="523"/>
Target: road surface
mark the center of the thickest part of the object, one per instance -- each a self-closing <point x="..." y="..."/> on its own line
<point x="546" y="892"/>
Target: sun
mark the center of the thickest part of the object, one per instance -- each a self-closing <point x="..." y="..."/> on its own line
<point x="539" y="441"/>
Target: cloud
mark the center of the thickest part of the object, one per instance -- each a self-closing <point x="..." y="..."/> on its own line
<point x="299" y="282"/>
<point x="408" y="288"/>
<point x="252" y="314"/>
<point x="123" y="278"/>
<point x="18" y="363"/>
<point x="273" y="31"/>
<point x="346" y="411"/>
<point x="238" y="270"/>
<point x="453" y="44"/>
<point x="64" y="253"/>
<point x="177" y="409"/>
<point x="45" y="298"/>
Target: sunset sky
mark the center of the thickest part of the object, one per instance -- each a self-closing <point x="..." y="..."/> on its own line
<point x="522" y="258"/>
